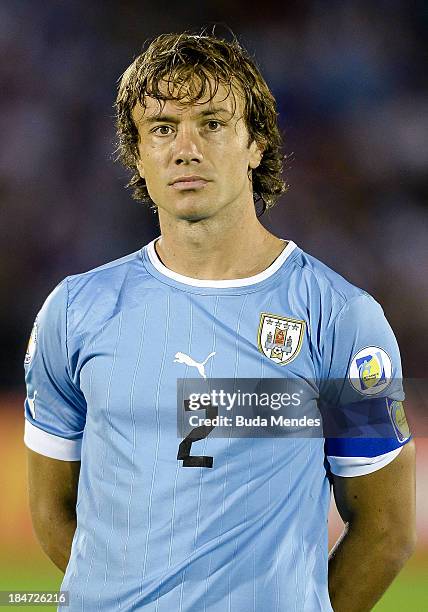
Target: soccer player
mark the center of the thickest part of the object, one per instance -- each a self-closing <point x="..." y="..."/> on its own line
<point x="139" y="519"/>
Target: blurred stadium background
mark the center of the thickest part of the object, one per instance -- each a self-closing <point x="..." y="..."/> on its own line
<point x="349" y="78"/>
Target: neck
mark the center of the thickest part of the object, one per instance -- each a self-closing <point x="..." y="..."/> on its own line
<point x="227" y="246"/>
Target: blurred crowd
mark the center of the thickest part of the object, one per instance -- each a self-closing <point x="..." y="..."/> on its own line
<point x="349" y="80"/>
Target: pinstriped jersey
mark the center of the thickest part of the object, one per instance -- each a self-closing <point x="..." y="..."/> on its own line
<point x="248" y="532"/>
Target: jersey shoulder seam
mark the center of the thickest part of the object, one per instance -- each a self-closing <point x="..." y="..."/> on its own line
<point x="338" y="293"/>
<point x="126" y="259"/>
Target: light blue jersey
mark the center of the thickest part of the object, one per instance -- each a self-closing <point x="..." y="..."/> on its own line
<point x="250" y="532"/>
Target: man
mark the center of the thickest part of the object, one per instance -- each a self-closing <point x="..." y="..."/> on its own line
<point x="155" y="522"/>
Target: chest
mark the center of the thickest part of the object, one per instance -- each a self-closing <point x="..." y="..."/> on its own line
<point x="133" y="361"/>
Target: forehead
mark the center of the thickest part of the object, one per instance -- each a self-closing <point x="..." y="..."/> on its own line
<point x="228" y="99"/>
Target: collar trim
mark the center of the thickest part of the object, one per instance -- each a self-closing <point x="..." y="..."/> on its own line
<point x="233" y="282"/>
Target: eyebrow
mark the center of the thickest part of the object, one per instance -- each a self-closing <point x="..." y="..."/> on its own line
<point x="173" y="119"/>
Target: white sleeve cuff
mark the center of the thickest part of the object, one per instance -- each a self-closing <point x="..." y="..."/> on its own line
<point x="359" y="466"/>
<point x="47" y="444"/>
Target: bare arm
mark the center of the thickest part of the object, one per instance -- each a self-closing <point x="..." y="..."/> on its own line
<point x="52" y="486"/>
<point x="379" y="512"/>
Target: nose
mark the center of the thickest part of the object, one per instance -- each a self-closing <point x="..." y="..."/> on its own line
<point x="187" y="146"/>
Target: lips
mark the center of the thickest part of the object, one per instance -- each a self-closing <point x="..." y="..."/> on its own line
<point x="189" y="182"/>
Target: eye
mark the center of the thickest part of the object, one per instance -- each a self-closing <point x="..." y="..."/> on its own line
<point x="213" y="125"/>
<point x="162" y="130"/>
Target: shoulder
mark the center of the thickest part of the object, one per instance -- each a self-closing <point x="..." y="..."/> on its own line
<point x="325" y="279"/>
<point x="96" y="295"/>
<point x="109" y="276"/>
<point x="333" y="292"/>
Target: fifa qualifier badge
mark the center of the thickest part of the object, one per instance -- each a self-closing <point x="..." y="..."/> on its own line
<point x="32" y="343"/>
<point x="370" y="370"/>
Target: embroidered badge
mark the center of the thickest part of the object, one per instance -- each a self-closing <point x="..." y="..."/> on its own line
<point x="398" y="419"/>
<point x="31" y="347"/>
<point x="370" y="370"/>
<point x="280" y="338"/>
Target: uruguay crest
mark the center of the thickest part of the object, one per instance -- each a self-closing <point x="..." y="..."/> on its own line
<point x="280" y="338"/>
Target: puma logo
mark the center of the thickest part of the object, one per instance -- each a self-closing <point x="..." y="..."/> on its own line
<point x="183" y="358"/>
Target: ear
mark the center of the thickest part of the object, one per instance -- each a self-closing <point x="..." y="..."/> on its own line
<point x="256" y="154"/>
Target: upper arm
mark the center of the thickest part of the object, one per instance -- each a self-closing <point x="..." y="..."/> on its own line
<point x="383" y="500"/>
<point x="368" y="444"/>
<point x="55" y="407"/>
<point x="52" y="487"/>
<point x="55" y="416"/>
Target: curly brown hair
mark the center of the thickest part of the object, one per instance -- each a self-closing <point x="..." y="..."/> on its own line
<point x="193" y="65"/>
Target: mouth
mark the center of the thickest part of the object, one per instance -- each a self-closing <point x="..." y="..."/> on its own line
<point x="189" y="182"/>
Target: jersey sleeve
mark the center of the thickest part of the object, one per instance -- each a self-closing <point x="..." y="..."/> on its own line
<point x="362" y="390"/>
<point x="55" y="408"/>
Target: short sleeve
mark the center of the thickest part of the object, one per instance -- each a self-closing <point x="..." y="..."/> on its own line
<point x="55" y="408"/>
<point x="362" y="391"/>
